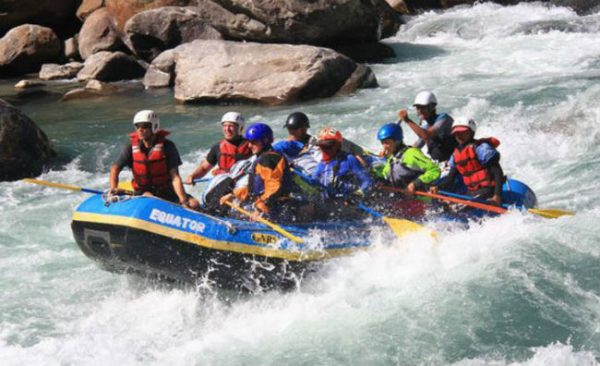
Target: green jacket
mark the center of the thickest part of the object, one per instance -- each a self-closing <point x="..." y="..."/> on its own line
<point x="408" y="165"/>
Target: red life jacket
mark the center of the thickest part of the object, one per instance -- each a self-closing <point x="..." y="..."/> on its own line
<point x="229" y="154"/>
<point x="475" y="176"/>
<point x="150" y="172"/>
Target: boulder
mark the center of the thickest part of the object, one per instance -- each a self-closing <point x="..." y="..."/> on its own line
<point x="55" y="71"/>
<point x="56" y="14"/>
<point x="87" y="7"/>
<point x="110" y="66"/>
<point x="262" y="73"/>
<point x="318" y="22"/>
<point x="24" y="147"/>
<point x="71" y="48"/>
<point x="153" y="31"/>
<point x="25" y="48"/>
<point x="161" y="73"/>
<point x="99" y="33"/>
<point x="122" y="10"/>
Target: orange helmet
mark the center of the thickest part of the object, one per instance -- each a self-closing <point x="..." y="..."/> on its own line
<point x="330" y="134"/>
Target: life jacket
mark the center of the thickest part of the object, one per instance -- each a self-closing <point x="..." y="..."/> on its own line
<point x="150" y="171"/>
<point x="256" y="185"/>
<point x="475" y="176"/>
<point x="229" y="154"/>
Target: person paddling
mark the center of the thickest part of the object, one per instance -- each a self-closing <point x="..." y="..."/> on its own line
<point x="435" y="128"/>
<point x="477" y="161"/>
<point x="405" y="167"/>
<point x="269" y="183"/>
<point x="300" y="149"/>
<point x="231" y="149"/>
<point x="154" y="162"/>
<point x="342" y="177"/>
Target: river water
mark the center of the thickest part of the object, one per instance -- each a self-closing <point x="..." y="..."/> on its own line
<point x="513" y="290"/>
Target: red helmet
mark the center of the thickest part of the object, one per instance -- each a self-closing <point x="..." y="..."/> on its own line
<point x="330" y="134"/>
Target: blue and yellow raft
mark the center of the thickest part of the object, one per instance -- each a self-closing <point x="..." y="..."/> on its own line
<point x="153" y="236"/>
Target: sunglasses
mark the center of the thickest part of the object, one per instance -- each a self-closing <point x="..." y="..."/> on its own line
<point x="143" y="126"/>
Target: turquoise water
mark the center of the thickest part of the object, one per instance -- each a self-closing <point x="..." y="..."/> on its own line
<point x="514" y="290"/>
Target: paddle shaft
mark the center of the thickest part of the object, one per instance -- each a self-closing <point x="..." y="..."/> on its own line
<point x="550" y="213"/>
<point x="62" y="186"/>
<point x="273" y="226"/>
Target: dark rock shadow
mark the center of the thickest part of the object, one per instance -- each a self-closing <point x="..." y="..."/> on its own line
<point x="412" y="52"/>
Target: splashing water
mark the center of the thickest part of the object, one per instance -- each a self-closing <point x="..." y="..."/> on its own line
<point x="513" y="290"/>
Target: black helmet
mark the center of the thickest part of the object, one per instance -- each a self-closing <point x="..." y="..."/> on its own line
<point x="297" y="120"/>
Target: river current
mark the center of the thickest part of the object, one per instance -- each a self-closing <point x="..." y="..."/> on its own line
<point x="512" y="290"/>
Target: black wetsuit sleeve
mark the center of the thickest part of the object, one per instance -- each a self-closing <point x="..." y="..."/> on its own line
<point x="172" y="155"/>
<point x="213" y="155"/>
<point x="493" y="166"/>
<point x="125" y="159"/>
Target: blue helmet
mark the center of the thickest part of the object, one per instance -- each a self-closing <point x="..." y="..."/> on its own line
<point x="261" y="132"/>
<point x="390" y="131"/>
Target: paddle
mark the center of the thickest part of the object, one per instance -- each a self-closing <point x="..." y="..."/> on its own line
<point x="62" y="186"/>
<point x="273" y="226"/>
<point x="469" y="201"/>
<point x="478" y="205"/>
<point x="400" y="227"/>
<point x="550" y="213"/>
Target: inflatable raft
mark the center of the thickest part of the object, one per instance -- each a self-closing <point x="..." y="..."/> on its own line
<point x="155" y="237"/>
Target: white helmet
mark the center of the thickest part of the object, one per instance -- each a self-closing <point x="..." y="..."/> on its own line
<point x="462" y="124"/>
<point x="425" y="98"/>
<point x="234" y="117"/>
<point x="147" y="116"/>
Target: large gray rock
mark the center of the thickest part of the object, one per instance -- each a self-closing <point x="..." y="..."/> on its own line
<point x="110" y="66"/>
<point x="25" y="48"/>
<point x="99" y="33"/>
<point x="161" y="73"/>
<point x="318" y="22"/>
<point x="153" y="31"/>
<point x="24" y="147"/>
<point x="263" y="73"/>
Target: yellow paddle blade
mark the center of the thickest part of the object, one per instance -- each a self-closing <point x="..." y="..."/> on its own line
<point x="126" y="186"/>
<point x="551" y="213"/>
<point x="403" y="227"/>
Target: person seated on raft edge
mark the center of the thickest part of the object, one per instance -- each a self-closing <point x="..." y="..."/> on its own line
<point x="269" y="182"/>
<point x="435" y="129"/>
<point x="405" y="167"/>
<point x="302" y="150"/>
<point x="344" y="180"/>
<point x="154" y="162"/>
<point x="231" y="149"/>
<point x="477" y="161"/>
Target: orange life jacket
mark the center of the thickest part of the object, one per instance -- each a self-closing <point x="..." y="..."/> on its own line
<point x="229" y="154"/>
<point x="150" y="171"/>
<point x="475" y="176"/>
